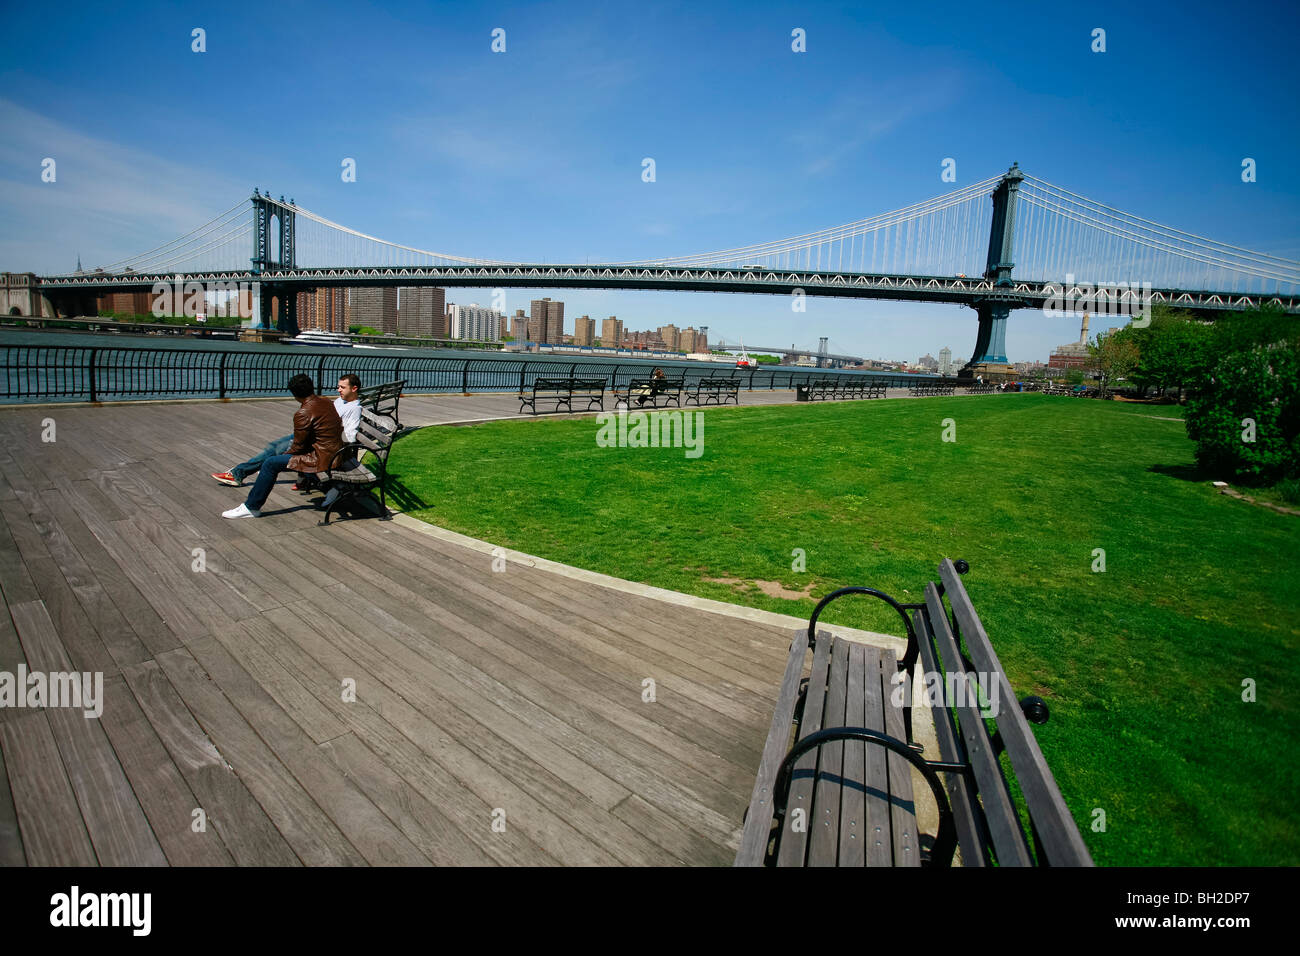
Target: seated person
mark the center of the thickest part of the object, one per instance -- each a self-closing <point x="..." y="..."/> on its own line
<point x="347" y="405"/>
<point x="317" y="436"/>
<point x="657" y="379"/>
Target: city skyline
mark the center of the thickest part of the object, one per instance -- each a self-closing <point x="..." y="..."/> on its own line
<point x="537" y="154"/>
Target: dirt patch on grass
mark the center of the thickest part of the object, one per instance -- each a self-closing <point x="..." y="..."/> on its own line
<point x="770" y="588"/>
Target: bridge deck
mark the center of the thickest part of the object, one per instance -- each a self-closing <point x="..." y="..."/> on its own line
<point x="513" y="697"/>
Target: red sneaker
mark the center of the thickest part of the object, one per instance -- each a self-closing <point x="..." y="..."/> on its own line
<point x="226" y="478"/>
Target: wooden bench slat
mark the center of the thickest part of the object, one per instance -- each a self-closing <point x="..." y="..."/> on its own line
<point x="758" y="819"/>
<point x="902" y="803"/>
<point x="794" y="842"/>
<point x="878" y="833"/>
<point x="824" y="823"/>
<point x="1057" y="831"/>
<point x="1003" y="821"/>
<point x="972" y="835"/>
<point x="853" y="810"/>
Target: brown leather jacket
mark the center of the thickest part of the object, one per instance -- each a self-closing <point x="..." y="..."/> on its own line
<point x="317" y="435"/>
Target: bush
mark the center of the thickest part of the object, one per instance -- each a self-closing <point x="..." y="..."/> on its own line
<point x="1259" y="386"/>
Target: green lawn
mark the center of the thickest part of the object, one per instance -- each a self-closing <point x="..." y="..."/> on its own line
<point x="1142" y="665"/>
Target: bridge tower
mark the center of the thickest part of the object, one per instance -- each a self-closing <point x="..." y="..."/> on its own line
<point x="821" y="352"/>
<point x="268" y="217"/>
<point x="993" y="309"/>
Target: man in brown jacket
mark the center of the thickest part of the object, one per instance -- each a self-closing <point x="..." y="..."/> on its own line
<point x="317" y="435"/>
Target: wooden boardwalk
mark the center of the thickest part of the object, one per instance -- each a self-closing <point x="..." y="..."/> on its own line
<point x="498" y="717"/>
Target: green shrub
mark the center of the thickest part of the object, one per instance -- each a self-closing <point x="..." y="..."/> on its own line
<point x="1252" y="394"/>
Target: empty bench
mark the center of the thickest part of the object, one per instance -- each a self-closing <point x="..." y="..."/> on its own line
<point x="563" y="391"/>
<point x="713" y="391"/>
<point x="382" y="399"/>
<point x="834" y="785"/>
<point x="656" y="393"/>
<point x="921" y="391"/>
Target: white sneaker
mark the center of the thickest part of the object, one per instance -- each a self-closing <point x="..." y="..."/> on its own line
<point x="243" y="511"/>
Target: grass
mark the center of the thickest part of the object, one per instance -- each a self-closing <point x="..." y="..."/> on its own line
<point x="1142" y="664"/>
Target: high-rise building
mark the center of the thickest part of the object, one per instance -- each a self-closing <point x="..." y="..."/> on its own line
<point x="927" y="361"/>
<point x="554" y="321"/>
<point x="519" y="326"/>
<point x="611" y="333"/>
<point x="325" y="309"/>
<point x="584" y="331"/>
<point x="945" y="362"/>
<point x="537" y="320"/>
<point x="420" y="308"/>
<point x="670" y="335"/>
<point x="688" y="342"/>
<point x="375" y="308"/>
<point x="1072" y="354"/>
<point x="474" y="323"/>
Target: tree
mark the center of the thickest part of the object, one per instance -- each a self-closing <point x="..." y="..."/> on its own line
<point x="1114" y="354"/>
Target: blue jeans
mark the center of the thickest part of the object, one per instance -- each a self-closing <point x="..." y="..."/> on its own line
<point x="277" y="447"/>
<point x="271" y="468"/>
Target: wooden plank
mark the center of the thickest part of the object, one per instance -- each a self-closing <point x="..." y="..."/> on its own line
<point x="794" y="842"/>
<point x="309" y="831"/>
<point x="113" y="818"/>
<point x="758" y="819"/>
<point x="972" y="835"/>
<point x="76" y="633"/>
<point x="1057" y="831"/>
<point x="878" y="833"/>
<point x="902" y="805"/>
<point x="294" y="699"/>
<point x="232" y="813"/>
<point x="1005" y="833"/>
<point x="359" y="820"/>
<point x="49" y="819"/>
<point x="113" y="583"/>
<point x="377" y="718"/>
<point x="595" y="656"/>
<point x="552" y="812"/>
<point x="824" y="821"/>
<point x="419" y="820"/>
<point x="567" y="783"/>
<point x="11" y="840"/>
<point x="682" y="847"/>
<point x="853" y="817"/>
<point x="164" y="796"/>
<point x="15" y="581"/>
<point x="562" y="705"/>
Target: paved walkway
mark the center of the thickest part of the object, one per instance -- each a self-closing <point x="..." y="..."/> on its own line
<point x="275" y="692"/>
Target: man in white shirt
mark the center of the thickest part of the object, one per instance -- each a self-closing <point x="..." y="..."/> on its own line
<point x="347" y="405"/>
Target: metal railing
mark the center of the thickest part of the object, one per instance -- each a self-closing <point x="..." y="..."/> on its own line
<point x="31" y="373"/>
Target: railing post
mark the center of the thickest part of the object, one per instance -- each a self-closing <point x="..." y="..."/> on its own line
<point x="523" y="368"/>
<point x="320" y="370"/>
<point x="464" y="381"/>
<point x="93" y="396"/>
<point x="221" y="376"/>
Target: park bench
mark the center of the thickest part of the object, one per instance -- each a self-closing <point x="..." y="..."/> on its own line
<point x="656" y="394"/>
<point x="382" y="399"/>
<point x="354" y="477"/>
<point x="842" y="794"/>
<point x="927" y="389"/>
<point x="713" y="391"/>
<point x="983" y="389"/>
<point x="563" y="391"/>
<point x="848" y="387"/>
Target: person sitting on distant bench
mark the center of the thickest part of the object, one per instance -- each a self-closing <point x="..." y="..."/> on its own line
<point x="347" y="405"/>
<point x="317" y="436"/>
<point x="657" y="379"/>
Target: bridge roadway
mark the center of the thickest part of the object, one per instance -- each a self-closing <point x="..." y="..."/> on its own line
<point x="475" y="692"/>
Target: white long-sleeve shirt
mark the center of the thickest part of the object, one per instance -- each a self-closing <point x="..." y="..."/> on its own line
<point x="350" y="413"/>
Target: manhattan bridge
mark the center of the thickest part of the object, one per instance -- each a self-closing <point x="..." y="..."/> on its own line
<point x="1009" y="242"/>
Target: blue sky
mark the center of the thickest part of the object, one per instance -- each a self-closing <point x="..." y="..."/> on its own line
<point x="535" y="153"/>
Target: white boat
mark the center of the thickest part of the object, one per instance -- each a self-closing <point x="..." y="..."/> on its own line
<point x="329" y="340"/>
